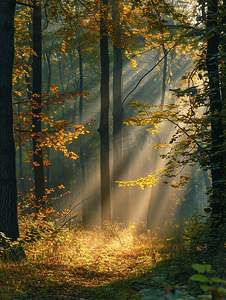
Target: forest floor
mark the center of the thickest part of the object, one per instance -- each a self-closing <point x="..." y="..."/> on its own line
<point x="105" y="263"/>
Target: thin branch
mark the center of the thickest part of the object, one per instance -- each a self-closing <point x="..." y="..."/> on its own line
<point x="149" y="72"/>
<point x="62" y="225"/>
<point x="25" y="4"/>
<point x="92" y="14"/>
<point x="185" y="132"/>
<point x="71" y="205"/>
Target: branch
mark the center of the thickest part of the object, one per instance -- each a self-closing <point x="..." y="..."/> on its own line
<point x="25" y="4"/>
<point x="185" y="132"/>
<point x="86" y="7"/>
<point x="149" y="72"/>
<point x="71" y="206"/>
<point x="62" y="225"/>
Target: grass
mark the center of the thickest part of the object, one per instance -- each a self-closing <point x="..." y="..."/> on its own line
<point x="65" y="262"/>
<point x="104" y="263"/>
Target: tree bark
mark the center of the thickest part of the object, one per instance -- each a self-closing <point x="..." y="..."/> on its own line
<point x="37" y="110"/>
<point x="48" y="54"/>
<point x="81" y="152"/>
<point x="8" y="187"/>
<point x="20" y="154"/>
<point x="104" y="120"/>
<point x="217" y="160"/>
<point x="117" y="134"/>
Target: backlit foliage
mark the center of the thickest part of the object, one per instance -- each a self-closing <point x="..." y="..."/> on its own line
<point x="58" y="255"/>
<point x="143" y="182"/>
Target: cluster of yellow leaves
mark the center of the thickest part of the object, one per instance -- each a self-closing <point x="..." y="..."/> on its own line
<point x="23" y="50"/>
<point x="145" y="182"/>
<point x="57" y="133"/>
<point x="161" y="145"/>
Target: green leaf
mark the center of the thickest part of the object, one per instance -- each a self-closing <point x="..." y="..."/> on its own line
<point x="199" y="277"/>
<point x="201" y="268"/>
<point x="205" y="288"/>
<point x="217" y="280"/>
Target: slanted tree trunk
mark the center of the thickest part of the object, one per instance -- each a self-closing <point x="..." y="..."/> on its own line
<point x="8" y="187"/>
<point x="217" y="159"/>
<point x="37" y="109"/>
<point x="104" y="120"/>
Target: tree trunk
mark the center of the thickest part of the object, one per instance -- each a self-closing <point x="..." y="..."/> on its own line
<point x="117" y="135"/>
<point x="20" y="155"/>
<point x="37" y="109"/>
<point x="8" y="188"/>
<point x="217" y="161"/>
<point x="81" y="154"/>
<point x="126" y="157"/>
<point x="104" y="120"/>
<point x="29" y="80"/>
<point x="48" y="54"/>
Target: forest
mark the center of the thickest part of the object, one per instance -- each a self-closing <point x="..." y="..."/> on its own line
<point x="112" y="149"/>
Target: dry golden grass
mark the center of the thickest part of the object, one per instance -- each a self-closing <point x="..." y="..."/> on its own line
<point x="75" y="257"/>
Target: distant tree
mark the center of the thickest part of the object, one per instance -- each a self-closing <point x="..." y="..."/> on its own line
<point x="81" y="150"/>
<point x="117" y="121"/>
<point x="104" y="119"/>
<point x="37" y="108"/>
<point x="198" y="138"/>
<point x="8" y="187"/>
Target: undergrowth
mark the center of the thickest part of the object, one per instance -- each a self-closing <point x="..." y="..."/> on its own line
<point x="106" y="262"/>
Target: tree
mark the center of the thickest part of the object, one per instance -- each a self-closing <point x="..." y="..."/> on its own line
<point x="200" y="128"/>
<point x="216" y="110"/>
<point x="8" y="187"/>
<point x="104" y="118"/>
<point x="117" y="121"/>
<point x="81" y="152"/>
<point x="37" y="109"/>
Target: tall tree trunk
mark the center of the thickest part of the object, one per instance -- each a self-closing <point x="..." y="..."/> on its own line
<point x="8" y="187"/>
<point x="217" y="159"/>
<point x="126" y="158"/>
<point x="61" y="161"/>
<point x="72" y="145"/>
<point x="81" y="154"/>
<point x="61" y="70"/>
<point x="75" y="84"/>
<point x="117" y="135"/>
<point x="20" y="155"/>
<point x="48" y="54"/>
<point x="37" y="109"/>
<point x="29" y="80"/>
<point x="104" y="120"/>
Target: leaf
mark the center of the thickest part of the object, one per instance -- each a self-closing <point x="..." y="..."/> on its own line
<point x="214" y="279"/>
<point x="133" y="63"/>
<point x="205" y="288"/>
<point x="199" y="277"/>
<point x="201" y="268"/>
